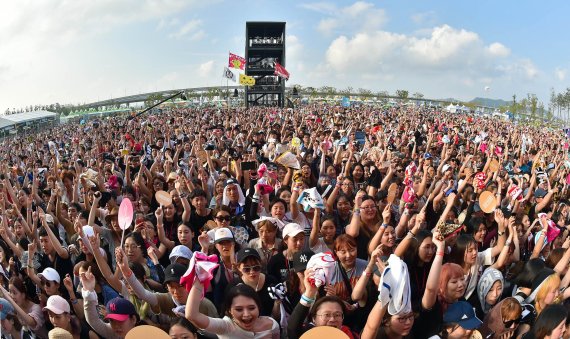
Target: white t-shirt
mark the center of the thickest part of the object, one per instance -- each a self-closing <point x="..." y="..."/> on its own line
<point x="226" y="329"/>
<point x="483" y="259"/>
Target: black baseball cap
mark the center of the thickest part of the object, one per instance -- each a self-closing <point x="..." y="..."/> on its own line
<point x="301" y="259"/>
<point x="245" y="253"/>
<point x="174" y="272"/>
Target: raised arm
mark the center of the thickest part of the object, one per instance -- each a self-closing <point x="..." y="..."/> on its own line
<point x="112" y="278"/>
<point x="353" y="229"/>
<point x="160" y="230"/>
<point x="405" y="243"/>
<point x="432" y="285"/>
<point x="314" y="237"/>
<point x="192" y="311"/>
<point x="137" y="287"/>
<point x="359" y="292"/>
<point x="374" y="321"/>
<point x="61" y="251"/>
<point x="500" y="219"/>
<point x="375" y="241"/>
<point x="334" y="194"/>
<point x="90" y="306"/>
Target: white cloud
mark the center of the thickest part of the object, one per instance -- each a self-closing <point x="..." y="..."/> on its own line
<point x="445" y="43"/>
<point x="442" y="60"/>
<point x="190" y="30"/>
<point x="498" y="49"/>
<point x="424" y="18"/>
<point x="45" y="42"/>
<point x="205" y="69"/>
<point x="320" y="7"/>
<point x="358" y="16"/>
<point x="560" y="73"/>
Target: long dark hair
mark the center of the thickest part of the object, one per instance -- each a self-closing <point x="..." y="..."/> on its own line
<point x="412" y="255"/>
<point x="237" y="291"/>
<point x="183" y="322"/>
<point x="457" y="255"/>
<point x="548" y="320"/>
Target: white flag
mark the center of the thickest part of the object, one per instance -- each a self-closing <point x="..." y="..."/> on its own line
<point x="229" y="74"/>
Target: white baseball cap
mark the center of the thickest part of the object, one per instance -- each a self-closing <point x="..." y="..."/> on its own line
<point x="223" y="234"/>
<point x="180" y="251"/>
<point x="57" y="305"/>
<point x="50" y="275"/>
<point x="292" y="229"/>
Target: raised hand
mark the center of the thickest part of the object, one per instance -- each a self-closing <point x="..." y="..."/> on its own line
<point x="204" y="240"/>
<point x="68" y="283"/>
<point x="88" y="280"/>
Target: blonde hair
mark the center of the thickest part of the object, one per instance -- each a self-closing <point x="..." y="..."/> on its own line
<point x="549" y="284"/>
<point x="510" y="309"/>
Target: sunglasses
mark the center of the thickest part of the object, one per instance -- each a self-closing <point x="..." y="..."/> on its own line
<point x="46" y="283"/>
<point x="247" y="269"/>
<point x="510" y="323"/>
<point x="224" y="218"/>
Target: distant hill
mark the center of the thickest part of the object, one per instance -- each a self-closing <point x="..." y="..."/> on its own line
<point x="490" y="102"/>
<point x="482" y="102"/>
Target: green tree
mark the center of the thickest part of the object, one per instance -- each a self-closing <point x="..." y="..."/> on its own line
<point x="365" y="94"/>
<point x="417" y="95"/>
<point x="533" y="104"/>
<point x="402" y="94"/>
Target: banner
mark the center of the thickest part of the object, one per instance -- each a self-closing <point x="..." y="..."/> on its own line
<point x="246" y="80"/>
<point x="281" y="71"/>
<point x="229" y="74"/>
<point x="236" y="61"/>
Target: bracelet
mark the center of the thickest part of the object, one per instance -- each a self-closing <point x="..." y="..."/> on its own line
<point x="384" y="225"/>
<point x="440" y="254"/>
<point x="507" y="243"/>
<point x="307" y="299"/>
<point x="74" y="301"/>
<point x="357" y="211"/>
<point x="368" y="274"/>
<point x="412" y="233"/>
<point x="501" y="233"/>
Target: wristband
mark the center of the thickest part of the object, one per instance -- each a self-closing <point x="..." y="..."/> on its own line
<point x="507" y="243"/>
<point x="440" y="254"/>
<point x="74" y="301"/>
<point x="368" y="274"/>
<point x="357" y="211"/>
<point x="384" y="225"/>
<point x="501" y="233"/>
<point x="307" y="299"/>
<point x="412" y="233"/>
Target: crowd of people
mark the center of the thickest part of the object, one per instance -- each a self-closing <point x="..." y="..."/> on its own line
<point x="400" y="222"/>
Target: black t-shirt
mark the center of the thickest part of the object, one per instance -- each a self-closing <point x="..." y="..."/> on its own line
<point x="197" y="222"/>
<point x="62" y="266"/>
<point x="279" y="267"/>
<point x="429" y="322"/>
<point x="266" y="301"/>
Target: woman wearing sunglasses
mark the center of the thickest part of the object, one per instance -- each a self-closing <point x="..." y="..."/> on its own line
<point x="248" y="263"/>
<point x="503" y="320"/>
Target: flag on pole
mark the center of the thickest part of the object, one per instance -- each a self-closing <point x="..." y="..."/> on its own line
<point x="246" y="80"/>
<point x="236" y="61"/>
<point x="281" y="71"/>
<point x="229" y="74"/>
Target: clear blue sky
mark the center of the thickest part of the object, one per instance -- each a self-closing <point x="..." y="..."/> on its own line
<point x="81" y="51"/>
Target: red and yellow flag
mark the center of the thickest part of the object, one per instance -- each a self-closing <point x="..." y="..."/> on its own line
<point x="235" y="61"/>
